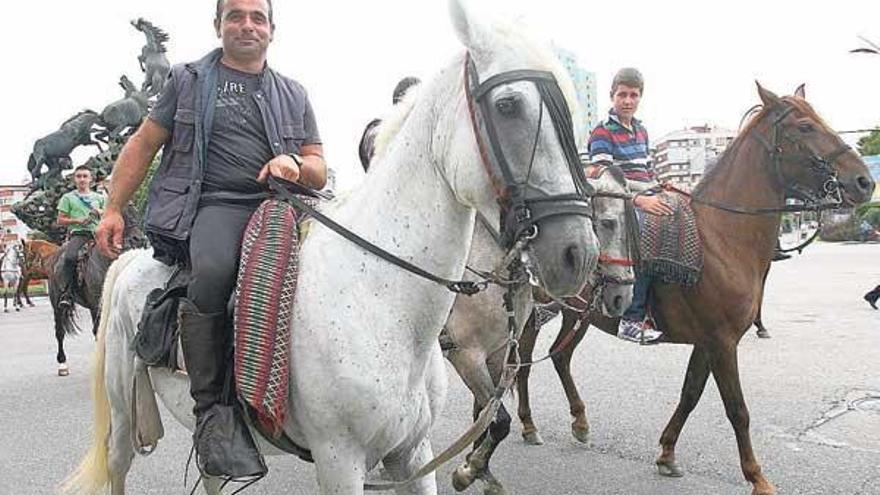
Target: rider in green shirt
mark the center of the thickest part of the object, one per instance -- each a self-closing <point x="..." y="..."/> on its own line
<point x="78" y="210"/>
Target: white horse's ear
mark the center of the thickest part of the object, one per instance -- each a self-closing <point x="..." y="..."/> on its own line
<point x="768" y="97"/>
<point x="466" y="27"/>
<point x="801" y="91"/>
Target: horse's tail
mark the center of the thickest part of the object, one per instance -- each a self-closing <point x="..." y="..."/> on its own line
<point x="93" y="473"/>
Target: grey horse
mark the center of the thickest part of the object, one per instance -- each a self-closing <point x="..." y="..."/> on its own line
<point x="152" y="58"/>
<point x="125" y="113"/>
<point x="54" y="149"/>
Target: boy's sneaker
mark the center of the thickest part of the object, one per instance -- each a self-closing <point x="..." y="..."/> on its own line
<point x="637" y="331"/>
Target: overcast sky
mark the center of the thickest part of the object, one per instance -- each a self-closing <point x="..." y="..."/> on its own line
<point x="699" y="58"/>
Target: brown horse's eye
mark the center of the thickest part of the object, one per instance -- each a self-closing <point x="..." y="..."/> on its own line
<point x="806" y="127"/>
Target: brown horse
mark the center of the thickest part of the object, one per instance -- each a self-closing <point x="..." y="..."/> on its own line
<point x="87" y="290"/>
<point x="39" y="255"/>
<point x="738" y="205"/>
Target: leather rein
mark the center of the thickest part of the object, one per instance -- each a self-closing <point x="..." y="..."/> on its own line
<point x="828" y="197"/>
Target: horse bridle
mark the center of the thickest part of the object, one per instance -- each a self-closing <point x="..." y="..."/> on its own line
<point x="602" y="280"/>
<point x="520" y="211"/>
<point x="829" y="194"/>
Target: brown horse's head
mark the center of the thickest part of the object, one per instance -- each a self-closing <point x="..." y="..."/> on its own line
<point x="812" y="158"/>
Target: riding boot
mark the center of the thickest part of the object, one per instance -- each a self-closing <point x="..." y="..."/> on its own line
<point x="223" y="443"/>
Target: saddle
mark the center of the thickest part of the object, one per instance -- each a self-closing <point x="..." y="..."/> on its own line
<point x="82" y="261"/>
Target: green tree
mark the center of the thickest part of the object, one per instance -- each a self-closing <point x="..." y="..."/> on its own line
<point x="140" y="196"/>
<point x="870" y="144"/>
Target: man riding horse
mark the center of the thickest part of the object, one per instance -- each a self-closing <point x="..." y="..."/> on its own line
<point x="226" y="122"/>
<point x="78" y="210"/>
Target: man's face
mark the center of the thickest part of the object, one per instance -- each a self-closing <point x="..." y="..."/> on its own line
<point x="245" y="29"/>
<point x="626" y="100"/>
<point x="82" y="179"/>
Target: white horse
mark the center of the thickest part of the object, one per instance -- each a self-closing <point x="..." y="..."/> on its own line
<point x="477" y="328"/>
<point x="367" y="375"/>
<point x="10" y="273"/>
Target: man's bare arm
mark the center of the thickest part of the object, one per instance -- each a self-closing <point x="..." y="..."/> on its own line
<point x="133" y="162"/>
<point x="313" y="172"/>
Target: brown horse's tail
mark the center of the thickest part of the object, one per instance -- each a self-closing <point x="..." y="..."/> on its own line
<point x="93" y="472"/>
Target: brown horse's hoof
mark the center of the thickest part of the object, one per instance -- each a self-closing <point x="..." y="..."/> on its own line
<point x="533" y="438"/>
<point x="763" y="333"/>
<point x="63" y="370"/>
<point x="494" y="489"/>
<point x="765" y="488"/>
<point x="580" y="434"/>
<point x="669" y="469"/>
<point x="463" y="477"/>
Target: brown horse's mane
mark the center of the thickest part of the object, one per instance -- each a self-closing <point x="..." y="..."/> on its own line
<point x="730" y="154"/>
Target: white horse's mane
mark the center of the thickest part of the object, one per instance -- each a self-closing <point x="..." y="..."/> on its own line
<point x="538" y="54"/>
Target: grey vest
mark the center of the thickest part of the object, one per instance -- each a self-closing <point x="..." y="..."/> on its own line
<point x="176" y="188"/>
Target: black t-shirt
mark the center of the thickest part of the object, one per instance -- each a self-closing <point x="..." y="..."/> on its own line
<point x="238" y="148"/>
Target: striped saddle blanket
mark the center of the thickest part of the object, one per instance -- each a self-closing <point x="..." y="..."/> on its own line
<point x="264" y="297"/>
<point x="671" y="249"/>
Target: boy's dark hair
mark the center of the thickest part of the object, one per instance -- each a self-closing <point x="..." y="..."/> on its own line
<point x="628" y="76"/>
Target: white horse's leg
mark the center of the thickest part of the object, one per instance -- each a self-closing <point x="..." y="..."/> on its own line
<point x="403" y="465"/>
<point x="212" y="485"/>
<point x="341" y="470"/>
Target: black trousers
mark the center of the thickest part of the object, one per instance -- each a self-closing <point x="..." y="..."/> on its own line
<point x="214" y="253"/>
<point x="74" y="243"/>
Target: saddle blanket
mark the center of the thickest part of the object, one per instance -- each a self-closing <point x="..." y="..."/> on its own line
<point x="671" y="249"/>
<point x="264" y="297"/>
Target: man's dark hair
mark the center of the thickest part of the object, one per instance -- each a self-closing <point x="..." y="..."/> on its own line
<point x="402" y="87"/>
<point x="83" y="167"/>
<point x="628" y="76"/>
<point x="219" y="13"/>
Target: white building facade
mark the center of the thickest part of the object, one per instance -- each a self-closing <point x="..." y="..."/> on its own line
<point x="585" y="87"/>
<point x="13" y="229"/>
<point x="680" y="157"/>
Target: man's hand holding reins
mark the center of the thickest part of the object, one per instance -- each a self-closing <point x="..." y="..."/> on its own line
<point x="282" y="167"/>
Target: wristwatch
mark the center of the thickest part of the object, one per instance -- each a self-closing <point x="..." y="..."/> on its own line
<point x="296" y="159"/>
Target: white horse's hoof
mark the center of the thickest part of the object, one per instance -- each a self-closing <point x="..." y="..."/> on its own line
<point x="63" y="370"/>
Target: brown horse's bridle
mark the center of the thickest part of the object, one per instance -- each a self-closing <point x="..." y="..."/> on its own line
<point x="830" y="192"/>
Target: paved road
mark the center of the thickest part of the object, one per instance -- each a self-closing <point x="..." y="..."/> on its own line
<point x="814" y="425"/>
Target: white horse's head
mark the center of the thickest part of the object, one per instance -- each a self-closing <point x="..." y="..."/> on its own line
<point x="617" y="229"/>
<point x="511" y="152"/>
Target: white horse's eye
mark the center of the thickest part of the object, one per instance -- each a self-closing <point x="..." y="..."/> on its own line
<point x="508" y="106"/>
<point x="608" y="224"/>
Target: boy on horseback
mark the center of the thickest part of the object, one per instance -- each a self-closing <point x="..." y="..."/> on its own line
<point x="622" y="140"/>
<point x="78" y="210"/>
<point x="226" y="122"/>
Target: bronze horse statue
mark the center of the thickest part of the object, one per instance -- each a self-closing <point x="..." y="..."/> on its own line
<point x="54" y="149"/>
<point x="738" y="205"/>
<point x="124" y="114"/>
<point x="87" y="291"/>
<point x="152" y="58"/>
